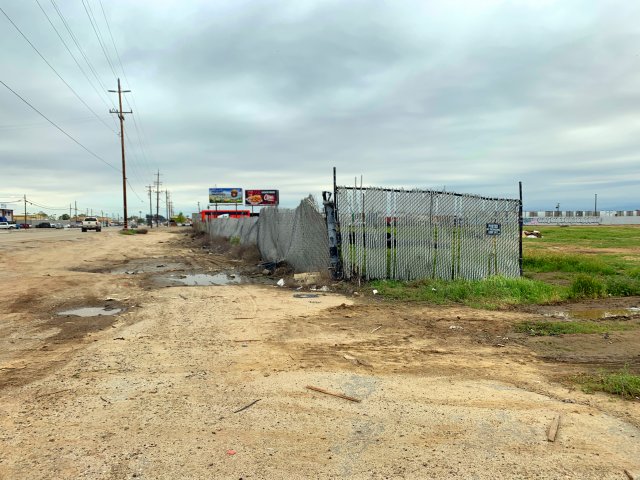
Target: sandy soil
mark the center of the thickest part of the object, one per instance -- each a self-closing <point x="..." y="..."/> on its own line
<point x="155" y="391"/>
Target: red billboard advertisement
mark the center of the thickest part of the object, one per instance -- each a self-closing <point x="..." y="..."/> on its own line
<point x="261" y="198"/>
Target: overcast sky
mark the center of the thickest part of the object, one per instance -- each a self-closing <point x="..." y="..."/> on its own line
<point x="471" y="96"/>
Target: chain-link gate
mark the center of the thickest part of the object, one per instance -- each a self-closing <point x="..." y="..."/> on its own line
<point x="418" y="234"/>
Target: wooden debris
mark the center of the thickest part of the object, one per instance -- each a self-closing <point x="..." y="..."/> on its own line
<point x="248" y="340"/>
<point x="333" y="394"/>
<point x="53" y="393"/>
<point x="553" y="429"/>
<point x="105" y="400"/>
<point x="247" y="406"/>
<point x="630" y="475"/>
<point x="376" y="329"/>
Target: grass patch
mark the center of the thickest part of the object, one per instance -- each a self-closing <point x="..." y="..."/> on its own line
<point x="565" y="328"/>
<point x="596" y="236"/>
<point x="623" y="383"/>
<point x="490" y="293"/>
<point x="133" y="231"/>
<point x="567" y="263"/>
<point x="585" y="286"/>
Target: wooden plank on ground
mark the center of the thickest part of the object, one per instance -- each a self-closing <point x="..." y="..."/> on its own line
<point x="334" y="394"/>
<point x="553" y="429"/>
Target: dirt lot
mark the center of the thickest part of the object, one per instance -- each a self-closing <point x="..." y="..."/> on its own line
<point x="154" y="391"/>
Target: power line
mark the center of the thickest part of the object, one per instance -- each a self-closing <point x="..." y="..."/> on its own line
<point x="54" y="70"/>
<point x="72" y="55"/>
<point x="139" y="131"/>
<point x="77" y="44"/>
<point x="96" y="31"/>
<point x="59" y="128"/>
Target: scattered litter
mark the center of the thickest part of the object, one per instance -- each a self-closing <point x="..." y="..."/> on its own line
<point x="324" y="288"/>
<point x="334" y="394"/>
<point x="375" y="292"/>
<point x="355" y="360"/>
<point x="280" y="282"/>
<point x="305" y="295"/>
<point x="119" y="338"/>
<point x="376" y="329"/>
<point x="553" y="429"/>
<point x="455" y="327"/>
<point x="247" y="406"/>
<point x="308" y="278"/>
<point x="231" y="452"/>
<point x="300" y="288"/>
<point x="500" y="345"/>
<point x="433" y="289"/>
<point x="105" y="400"/>
<point x="161" y="265"/>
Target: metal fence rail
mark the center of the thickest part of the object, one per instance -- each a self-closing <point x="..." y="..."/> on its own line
<point x="419" y="234"/>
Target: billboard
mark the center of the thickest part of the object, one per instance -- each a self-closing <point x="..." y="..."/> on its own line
<point x="225" y="195"/>
<point x="261" y="198"/>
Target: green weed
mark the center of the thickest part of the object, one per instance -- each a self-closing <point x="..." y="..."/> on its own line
<point x="623" y="383"/>
<point x="584" y="286"/>
<point x="491" y="293"/>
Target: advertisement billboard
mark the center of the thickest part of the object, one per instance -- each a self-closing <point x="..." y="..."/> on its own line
<point x="261" y="198"/>
<point x="225" y="195"/>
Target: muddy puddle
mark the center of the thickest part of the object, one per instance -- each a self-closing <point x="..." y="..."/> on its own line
<point x="144" y="266"/>
<point x="594" y="314"/>
<point x="91" y="312"/>
<point x="209" y="279"/>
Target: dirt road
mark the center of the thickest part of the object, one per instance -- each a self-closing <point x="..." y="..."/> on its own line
<point x="156" y="391"/>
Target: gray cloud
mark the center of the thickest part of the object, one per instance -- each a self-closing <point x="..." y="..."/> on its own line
<point x="474" y="96"/>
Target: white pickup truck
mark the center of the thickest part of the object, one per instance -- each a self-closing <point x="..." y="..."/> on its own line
<point x="7" y="226"/>
<point x="91" y="223"/>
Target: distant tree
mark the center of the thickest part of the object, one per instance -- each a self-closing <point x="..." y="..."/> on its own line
<point x="64" y="216"/>
<point x="181" y="218"/>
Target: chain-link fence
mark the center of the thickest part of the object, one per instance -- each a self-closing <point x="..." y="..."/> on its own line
<point x="295" y="236"/>
<point x="418" y="234"/>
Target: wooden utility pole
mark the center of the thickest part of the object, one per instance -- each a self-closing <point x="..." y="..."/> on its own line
<point x="124" y="170"/>
<point x="25" y="208"/>
<point x="150" y="187"/>
<point x="158" y="200"/>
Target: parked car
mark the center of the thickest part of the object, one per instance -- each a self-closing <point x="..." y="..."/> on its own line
<point x="25" y="225"/>
<point x="7" y="226"/>
<point x="44" y="225"/>
<point x="91" y="223"/>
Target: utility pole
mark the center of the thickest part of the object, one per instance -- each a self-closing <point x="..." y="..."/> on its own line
<point x="124" y="171"/>
<point x="595" y="205"/>
<point x="158" y="200"/>
<point x="25" y="208"/>
<point x="150" y="187"/>
<point x="166" y="201"/>
<point x="69" y="212"/>
<point x="76" y="204"/>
